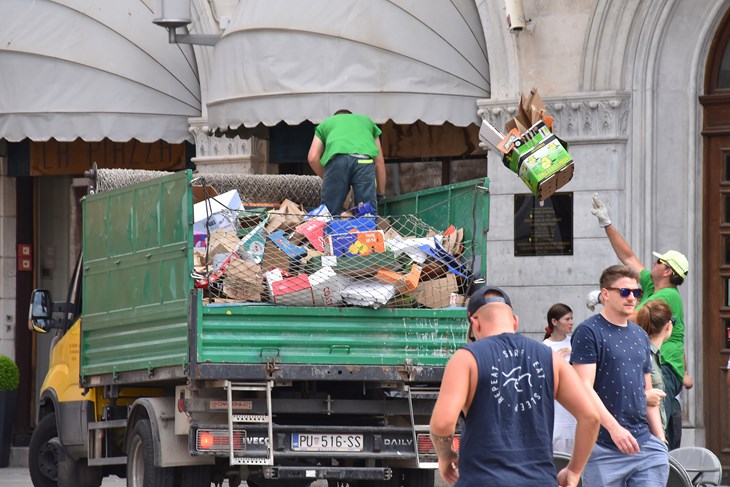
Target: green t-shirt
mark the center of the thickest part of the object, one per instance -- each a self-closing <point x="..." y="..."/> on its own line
<point x="672" y="351"/>
<point x="347" y="133"/>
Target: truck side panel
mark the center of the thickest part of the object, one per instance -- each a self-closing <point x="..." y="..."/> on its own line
<point x="349" y="336"/>
<point x="137" y="262"/>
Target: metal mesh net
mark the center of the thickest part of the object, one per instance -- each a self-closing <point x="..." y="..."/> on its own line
<point x="287" y="256"/>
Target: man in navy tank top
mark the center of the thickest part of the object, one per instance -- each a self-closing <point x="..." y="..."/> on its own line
<point x="611" y="354"/>
<point x="505" y="385"/>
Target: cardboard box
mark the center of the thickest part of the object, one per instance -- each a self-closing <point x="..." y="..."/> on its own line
<point x="199" y="240"/>
<point x="254" y="243"/>
<point x="411" y="247"/>
<point x="542" y="162"/>
<point x="368" y="292"/>
<point x="282" y="253"/>
<point x="313" y="231"/>
<point x="440" y="255"/>
<point x="293" y="291"/>
<point x="362" y="209"/>
<point x="222" y="242"/>
<point x="355" y="243"/>
<point x="436" y="293"/>
<point x="217" y="213"/>
<point x="320" y="213"/>
<point x="349" y="225"/>
<point x="201" y="193"/>
<point x="243" y="281"/>
<point x="531" y="149"/>
<point x="327" y="286"/>
<point x="286" y="217"/>
<point x="403" y="283"/>
<point x="361" y="265"/>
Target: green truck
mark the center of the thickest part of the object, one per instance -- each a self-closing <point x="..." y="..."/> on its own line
<point x="151" y="380"/>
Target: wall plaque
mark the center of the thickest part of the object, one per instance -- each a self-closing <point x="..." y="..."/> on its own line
<point x="546" y="229"/>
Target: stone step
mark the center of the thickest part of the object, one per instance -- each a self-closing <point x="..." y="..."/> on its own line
<point x="19" y="456"/>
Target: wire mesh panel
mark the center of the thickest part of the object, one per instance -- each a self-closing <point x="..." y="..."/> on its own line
<point x="290" y="256"/>
<point x="263" y="239"/>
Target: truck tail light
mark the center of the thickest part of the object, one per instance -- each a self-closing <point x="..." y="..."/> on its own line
<point x="217" y="440"/>
<point x="425" y="445"/>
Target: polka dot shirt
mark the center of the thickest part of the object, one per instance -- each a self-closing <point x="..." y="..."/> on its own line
<point x="622" y="356"/>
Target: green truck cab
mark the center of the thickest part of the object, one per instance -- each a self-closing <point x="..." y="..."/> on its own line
<point x="150" y="381"/>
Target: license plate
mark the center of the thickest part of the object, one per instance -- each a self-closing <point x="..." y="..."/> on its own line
<point x="325" y="442"/>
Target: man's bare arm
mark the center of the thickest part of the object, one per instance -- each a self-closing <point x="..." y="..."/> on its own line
<point x="314" y="156"/>
<point x="380" y="172"/>
<point x="451" y="401"/>
<point x="622" y="249"/>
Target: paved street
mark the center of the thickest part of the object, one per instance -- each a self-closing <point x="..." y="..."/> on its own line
<point x="19" y="477"/>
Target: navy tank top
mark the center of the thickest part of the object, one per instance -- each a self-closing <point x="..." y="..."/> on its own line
<point x="508" y="430"/>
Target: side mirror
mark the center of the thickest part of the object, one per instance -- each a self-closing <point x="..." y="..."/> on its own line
<point x="40" y="315"/>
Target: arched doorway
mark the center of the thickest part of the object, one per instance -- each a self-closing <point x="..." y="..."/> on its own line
<point x="716" y="243"/>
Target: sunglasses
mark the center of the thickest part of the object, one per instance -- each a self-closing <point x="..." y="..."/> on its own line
<point x="625" y="291"/>
<point x="662" y="262"/>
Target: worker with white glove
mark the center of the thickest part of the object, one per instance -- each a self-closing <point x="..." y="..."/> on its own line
<point x="600" y="211"/>
<point x="668" y="271"/>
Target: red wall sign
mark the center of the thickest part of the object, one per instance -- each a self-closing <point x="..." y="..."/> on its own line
<point x="25" y="257"/>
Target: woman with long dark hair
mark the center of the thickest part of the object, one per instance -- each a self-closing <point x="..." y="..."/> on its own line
<point x="557" y="336"/>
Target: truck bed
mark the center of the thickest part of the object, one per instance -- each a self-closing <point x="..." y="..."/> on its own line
<point x="144" y="320"/>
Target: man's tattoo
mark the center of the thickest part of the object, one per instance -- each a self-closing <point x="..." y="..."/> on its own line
<point x="442" y="445"/>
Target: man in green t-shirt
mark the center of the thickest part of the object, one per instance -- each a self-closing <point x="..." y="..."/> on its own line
<point x="668" y="271"/>
<point x="346" y="152"/>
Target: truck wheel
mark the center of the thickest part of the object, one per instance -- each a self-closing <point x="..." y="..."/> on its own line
<point x="43" y="453"/>
<point x="195" y="476"/>
<point x="141" y="470"/>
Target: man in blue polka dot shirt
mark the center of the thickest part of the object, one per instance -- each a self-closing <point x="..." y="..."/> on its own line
<point x="612" y="356"/>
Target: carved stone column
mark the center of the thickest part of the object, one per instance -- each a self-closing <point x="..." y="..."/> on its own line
<point x="227" y="154"/>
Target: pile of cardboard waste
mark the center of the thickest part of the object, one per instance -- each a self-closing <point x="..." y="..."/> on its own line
<point x="288" y="256"/>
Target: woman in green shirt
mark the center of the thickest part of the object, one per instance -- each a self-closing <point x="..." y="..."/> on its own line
<point x="655" y="317"/>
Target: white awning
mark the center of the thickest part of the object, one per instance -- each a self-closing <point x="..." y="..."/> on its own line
<point x="401" y="60"/>
<point x="92" y="69"/>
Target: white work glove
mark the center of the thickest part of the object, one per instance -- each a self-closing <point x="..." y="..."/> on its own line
<point x="593" y="299"/>
<point x="600" y="211"/>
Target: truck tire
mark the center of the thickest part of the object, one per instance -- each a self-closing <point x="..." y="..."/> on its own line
<point x="141" y="469"/>
<point x="195" y="476"/>
<point x="43" y="453"/>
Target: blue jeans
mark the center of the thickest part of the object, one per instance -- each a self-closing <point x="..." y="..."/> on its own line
<point x="611" y="468"/>
<point x="343" y="171"/>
